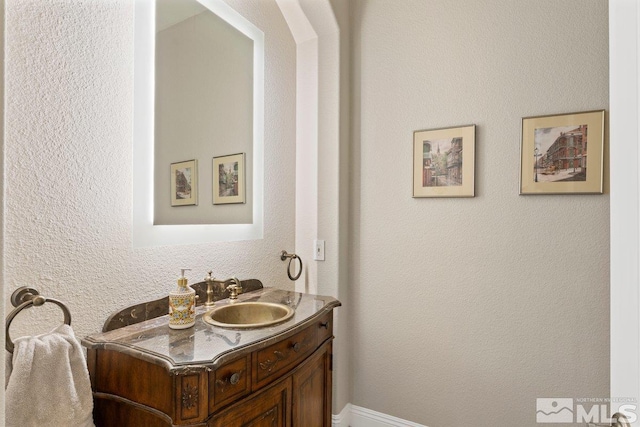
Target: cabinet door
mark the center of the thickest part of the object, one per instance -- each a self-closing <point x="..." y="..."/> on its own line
<point x="270" y="408"/>
<point x="312" y="390"/>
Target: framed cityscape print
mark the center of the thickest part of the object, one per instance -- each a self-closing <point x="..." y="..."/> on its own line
<point x="184" y="183"/>
<point x="228" y="179"/>
<point x="562" y="154"/>
<point x="444" y="162"/>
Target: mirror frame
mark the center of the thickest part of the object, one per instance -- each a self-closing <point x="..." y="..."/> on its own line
<point x="145" y="233"/>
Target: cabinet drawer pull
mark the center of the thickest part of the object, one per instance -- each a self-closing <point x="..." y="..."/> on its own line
<point x="324" y="325"/>
<point x="234" y="378"/>
<point x="299" y="346"/>
<point x="230" y="380"/>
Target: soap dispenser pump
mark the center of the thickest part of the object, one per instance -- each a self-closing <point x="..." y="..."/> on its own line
<point x="182" y="305"/>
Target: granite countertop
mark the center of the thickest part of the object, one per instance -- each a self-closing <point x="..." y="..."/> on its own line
<point x="205" y="346"/>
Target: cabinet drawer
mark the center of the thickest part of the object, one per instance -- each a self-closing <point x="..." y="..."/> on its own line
<point x="325" y="327"/>
<point x="273" y="361"/>
<point x="229" y="382"/>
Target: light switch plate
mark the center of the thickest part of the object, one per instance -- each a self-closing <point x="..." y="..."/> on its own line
<point x="318" y="250"/>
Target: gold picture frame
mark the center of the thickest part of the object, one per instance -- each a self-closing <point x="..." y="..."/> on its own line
<point x="444" y="162"/>
<point x="562" y="153"/>
<point x="184" y="183"/>
<point x="229" y="179"/>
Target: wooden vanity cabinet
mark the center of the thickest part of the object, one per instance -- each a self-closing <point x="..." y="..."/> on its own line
<point x="302" y="398"/>
<point x="285" y="383"/>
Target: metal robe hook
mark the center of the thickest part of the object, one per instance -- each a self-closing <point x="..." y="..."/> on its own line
<point x="283" y="256"/>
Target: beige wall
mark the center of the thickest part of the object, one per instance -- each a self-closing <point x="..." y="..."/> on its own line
<point x="68" y="153"/>
<point x="464" y="311"/>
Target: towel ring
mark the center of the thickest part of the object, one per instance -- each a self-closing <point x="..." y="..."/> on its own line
<point x="283" y="256"/>
<point x="25" y="297"/>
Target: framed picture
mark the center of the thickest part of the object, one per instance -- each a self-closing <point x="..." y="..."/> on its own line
<point x="562" y="154"/>
<point x="444" y="162"/>
<point x="184" y="183"/>
<point x="228" y="179"/>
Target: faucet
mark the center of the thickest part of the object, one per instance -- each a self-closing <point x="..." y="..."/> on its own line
<point x="234" y="289"/>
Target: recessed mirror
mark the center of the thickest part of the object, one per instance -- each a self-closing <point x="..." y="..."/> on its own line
<point x="199" y="88"/>
<point x="203" y="110"/>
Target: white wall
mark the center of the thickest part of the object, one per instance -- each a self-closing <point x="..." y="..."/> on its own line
<point x="69" y="94"/>
<point x="339" y="214"/>
<point x="624" y="42"/>
<point x="466" y="310"/>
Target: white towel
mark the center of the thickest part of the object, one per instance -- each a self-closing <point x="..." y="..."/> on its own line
<point x="49" y="382"/>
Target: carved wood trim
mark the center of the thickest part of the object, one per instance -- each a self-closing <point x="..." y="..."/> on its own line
<point x="269" y="364"/>
<point x="189" y="396"/>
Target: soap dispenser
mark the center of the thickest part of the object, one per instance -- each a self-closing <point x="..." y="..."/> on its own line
<point x="182" y="305"/>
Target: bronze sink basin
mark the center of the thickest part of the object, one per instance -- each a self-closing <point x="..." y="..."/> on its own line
<point x="244" y="315"/>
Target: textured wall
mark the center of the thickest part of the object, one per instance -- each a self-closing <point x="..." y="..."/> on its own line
<point x="2" y="221"/>
<point x="466" y="310"/>
<point x="69" y="87"/>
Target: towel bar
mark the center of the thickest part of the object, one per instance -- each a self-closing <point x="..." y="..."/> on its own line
<point x="283" y="256"/>
<point x="25" y="297"/>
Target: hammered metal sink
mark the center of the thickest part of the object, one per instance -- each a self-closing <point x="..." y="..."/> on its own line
<point x="248" y="315"/>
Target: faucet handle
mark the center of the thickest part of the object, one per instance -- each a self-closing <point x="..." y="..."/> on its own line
<point x="234" y="289"/>
<point x="209" y="277"/>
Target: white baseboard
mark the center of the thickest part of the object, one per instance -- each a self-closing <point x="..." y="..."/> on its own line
<point x="343" y="419"/>
<point x="357" y="416"/>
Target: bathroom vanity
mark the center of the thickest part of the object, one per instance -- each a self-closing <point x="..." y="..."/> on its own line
<point x="147" y="374"/>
